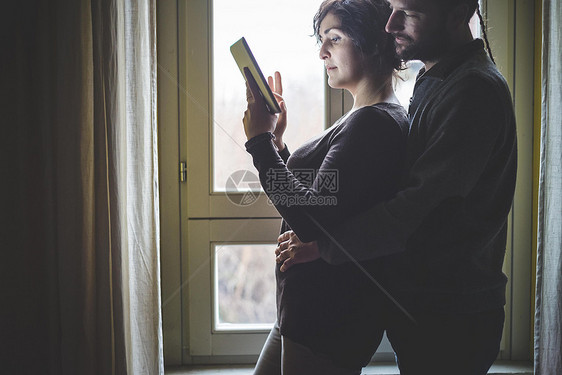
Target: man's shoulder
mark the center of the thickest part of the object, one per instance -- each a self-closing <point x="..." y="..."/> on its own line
<point x="477" y="71"/>
<point x="476" y="76"/>
<point x="474" y="86"/>
<point x="475" y="81"/>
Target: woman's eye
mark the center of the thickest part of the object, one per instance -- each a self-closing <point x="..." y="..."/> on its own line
<point x="335" y="39"/>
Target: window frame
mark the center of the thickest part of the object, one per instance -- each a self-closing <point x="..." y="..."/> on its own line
<point x="511" y="33"/>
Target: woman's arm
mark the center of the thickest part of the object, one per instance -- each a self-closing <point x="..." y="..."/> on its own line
<point x="361" y="167"/>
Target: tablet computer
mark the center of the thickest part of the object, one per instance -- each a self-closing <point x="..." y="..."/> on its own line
<point x="245" y="59"/>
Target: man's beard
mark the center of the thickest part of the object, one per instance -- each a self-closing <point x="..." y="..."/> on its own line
<point x="431" y="48"/>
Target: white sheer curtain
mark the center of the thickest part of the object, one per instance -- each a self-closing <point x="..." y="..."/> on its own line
<point x="548" y="314"/>
<point x="146" y="344"/>
<point x="80" y="221"/>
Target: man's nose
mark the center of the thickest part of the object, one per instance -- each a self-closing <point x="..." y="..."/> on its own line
<point x="395" y="23"/>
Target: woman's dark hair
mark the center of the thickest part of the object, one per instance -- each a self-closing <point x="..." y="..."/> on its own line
<point x="473" y="6"/>
<point x="363" y="21"/>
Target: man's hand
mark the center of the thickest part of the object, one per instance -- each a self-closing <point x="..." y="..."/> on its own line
<point x="291" y="251"/>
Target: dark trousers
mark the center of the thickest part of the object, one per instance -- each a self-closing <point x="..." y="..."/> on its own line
<point x="437" y="344"/>
<point x="440" y="343"/>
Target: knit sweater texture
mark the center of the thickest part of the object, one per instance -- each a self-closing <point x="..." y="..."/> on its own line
<point x="355" y="164"/>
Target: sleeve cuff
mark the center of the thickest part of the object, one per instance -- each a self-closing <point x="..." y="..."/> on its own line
<point x="285" y="153"/>
<point x="264" y="137"/>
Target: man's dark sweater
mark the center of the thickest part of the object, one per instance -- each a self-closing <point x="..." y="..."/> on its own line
<point x="352" y="165"/>
<point x="444" y="233"/>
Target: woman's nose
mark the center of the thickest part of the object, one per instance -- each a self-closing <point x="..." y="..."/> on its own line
<point x="395" y="23"/>
<point x="323" y="53"/>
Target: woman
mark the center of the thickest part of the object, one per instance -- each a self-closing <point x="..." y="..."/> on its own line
<point x="330" y="318"/>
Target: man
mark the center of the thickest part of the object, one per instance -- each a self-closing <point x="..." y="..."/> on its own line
<point x="442" y="237"/>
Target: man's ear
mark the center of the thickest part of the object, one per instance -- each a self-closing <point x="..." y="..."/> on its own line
<point x="457" y="17"/>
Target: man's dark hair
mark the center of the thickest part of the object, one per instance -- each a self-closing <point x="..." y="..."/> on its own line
<point x="473" y="6"/>
<point x="363" y="21"/>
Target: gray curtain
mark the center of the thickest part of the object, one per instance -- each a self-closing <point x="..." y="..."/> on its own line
<point x="80" y="221"/>
<point x="548" y="314"/>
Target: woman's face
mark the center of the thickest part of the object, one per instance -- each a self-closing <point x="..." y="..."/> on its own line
<point x="343" y="61"/>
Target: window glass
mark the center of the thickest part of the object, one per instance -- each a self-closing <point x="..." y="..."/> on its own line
<point x="279" y="34"/>
<point x="244" y="286"/>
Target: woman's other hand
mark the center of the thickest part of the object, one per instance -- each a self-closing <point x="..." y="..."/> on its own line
<point x="291" y="250"/>
<point x="257" y="119"/>
<point x="276" y="86"/>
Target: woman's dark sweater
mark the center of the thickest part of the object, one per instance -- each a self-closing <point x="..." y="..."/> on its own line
<point x="351" y="166"/>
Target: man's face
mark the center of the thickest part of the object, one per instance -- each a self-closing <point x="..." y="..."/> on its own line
<point x="418" y="28"/>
